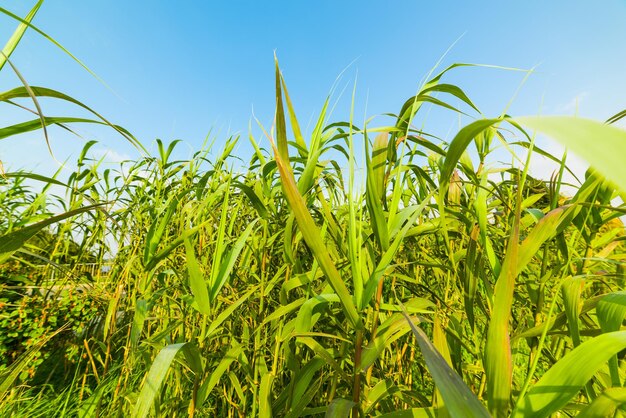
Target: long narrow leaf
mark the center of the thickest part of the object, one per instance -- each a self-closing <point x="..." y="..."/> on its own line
<point x="563" y="381"/>
<point x="459" y="399"/>
<point x="156" y="375"/>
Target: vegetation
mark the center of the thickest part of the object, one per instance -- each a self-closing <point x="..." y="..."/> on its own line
<point x="436" y="285"/>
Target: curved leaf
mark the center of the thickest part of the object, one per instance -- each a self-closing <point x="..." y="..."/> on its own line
<point x="602" y="145"/>
<point x="459" y="399"/>
<point x="156" y="375"/>
<point x="563" y="381"/>
<point x="605" y="404"/>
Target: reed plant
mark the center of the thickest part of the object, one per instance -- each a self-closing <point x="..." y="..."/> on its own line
<point x="438" y="284"/>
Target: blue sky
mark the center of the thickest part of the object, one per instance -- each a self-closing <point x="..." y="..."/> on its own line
<point x="178" y="69"/>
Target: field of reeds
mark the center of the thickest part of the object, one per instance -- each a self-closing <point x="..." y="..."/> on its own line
<point x="414" y="279"/>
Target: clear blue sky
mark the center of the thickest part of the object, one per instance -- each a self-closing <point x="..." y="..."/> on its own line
<point x="180" y="68"/>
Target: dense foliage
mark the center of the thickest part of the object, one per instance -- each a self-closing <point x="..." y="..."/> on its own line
<point x="435" y="284"/>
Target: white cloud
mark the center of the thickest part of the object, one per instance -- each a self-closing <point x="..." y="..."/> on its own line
<point x="109" y="155"/>
<point x="572" y="106"/>
<point x="543" y="168"/>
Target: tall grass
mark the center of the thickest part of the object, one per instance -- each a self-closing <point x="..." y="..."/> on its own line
<point x="439" y="285"/>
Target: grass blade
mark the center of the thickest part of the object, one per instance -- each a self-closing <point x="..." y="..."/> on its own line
<point x="310" y="232"/>
<point x="156" y="375"/>
<point x="412" y="413"/>
<point x="605" y="404"/>
<point x="14" y="40"/>
<point x="228" y="262"/>
<point x="571" y="292"/>
<point x="22" y="92"/>
<point x="611" y="311"/>
<point x="459" y="399"/>
<point x="563" y="381"/>
<point x="216" y="374"/>
<point x="196" y="279"/>
<point x="498" y="361"/>
<point x="339" y="408"/>
<point x="265" y="392"/>
<point x="13" y="241"/>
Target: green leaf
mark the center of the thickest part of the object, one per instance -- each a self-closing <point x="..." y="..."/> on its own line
<point x="20" y="92"/>
<point x="295" y="126"/>
<point x="383" y="389"/>
<point x="281" y="128"/>
<point x="89" y="406"/>
<point x="196" y="279"/>
<point x="157" y="229"/>
<point x="311" y="310"/>
<point x="38" y="110"/>
<point x="390" y="252"/>
<point x="226" y="313"/>
<point x="545" y="229"/>
<point x="228" y="262"/>
<point x="35" y="124"/>
<point x="217" y="371"/>
<point x="14" y="40"/>
<point x="282" y="311"/>
<point x="412" y="413"/>
<point x="13" y="241"/>
<point x="314" y="240"/>
<point x="156" y="375"/>
<point x="605" y="404"/>
<point x="375" y="187"/>
<point x="324" y="354"/>
<point x="602" y="145"/>
<point x="303" y="390"/>
<point x="390" y="330"/>
<point x="566" y="377"/>
<point x="141" y="309"/>
<point x="172" y="245"/>
<point x="470" y="274"/>
<point x="339" y="408"/>
<point x="27" y="23"/>
<point x="193" y="359"/>
<point x="301" y="402"/>
<point x="459" y="399"/>
<point x="265" y="393"/>
<point x="611" y="311"/>
<point x="571" y="291"/>
<point x="37" y="177"/>
<point x="457" y="147"/>
<point x="254" y="199"/>
<point x="497" y="360"/>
